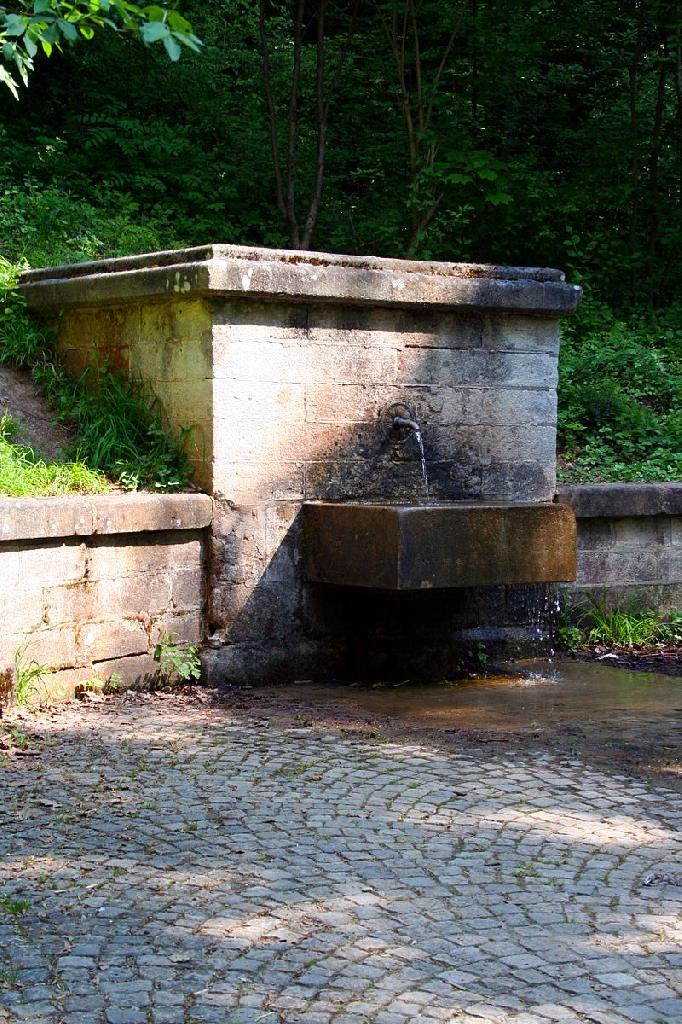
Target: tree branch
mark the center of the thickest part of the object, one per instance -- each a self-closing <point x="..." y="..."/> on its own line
<point x="322" y="114"/>
<point x="292" y="126"/>
<point x="272" y="116"/>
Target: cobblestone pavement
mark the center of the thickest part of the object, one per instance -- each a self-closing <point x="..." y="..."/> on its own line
<point x="165" y="863"/>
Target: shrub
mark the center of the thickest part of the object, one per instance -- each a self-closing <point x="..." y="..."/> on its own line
<point x="620" y="397"/>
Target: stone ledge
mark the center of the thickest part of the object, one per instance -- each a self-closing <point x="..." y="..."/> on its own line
<point x="621" y="501"/>
<point x="226" y="270"/>
<point x="86" y="515"/>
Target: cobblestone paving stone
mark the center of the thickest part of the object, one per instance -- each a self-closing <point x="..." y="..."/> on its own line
<point x="183" y="867"/>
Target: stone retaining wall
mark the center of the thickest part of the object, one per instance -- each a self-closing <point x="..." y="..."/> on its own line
<point x="90" y="582"/>
<point x="629" y="544"/>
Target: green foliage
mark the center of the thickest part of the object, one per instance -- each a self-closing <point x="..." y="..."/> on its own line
<point x="24" y="474"/>
<point x="119" y="427"/>
<point x="9" y="976"/>
<point x="29" y="675"/>
<point x="620" y="411"/>
<point x="42" y="225"/>
<point x="16" y="908"/>
<point x="620" y="628"/>
<point x="27" y="26"/>
<point x="177" y="661"/>
<point x="569" y="637"/>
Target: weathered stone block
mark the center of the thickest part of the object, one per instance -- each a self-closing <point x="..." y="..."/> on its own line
<point x="676" y="530"/>
<point x="596" y="534"/>
<point x="271" y="402"/>
<point x="144" y="594"/>
<point x="112" y="638"/>
<point x="482" y="445"/>
<point x="173" y="342"/>
<point x="135" y="670"/>
<point x="622" y="501"/>
<point x="343" y="480"/>
<point x="108" y="558"/>
<point x="477" y="367"/>
<point x="21" y="605"/>
<point x="239" y="554"/>
<point x="613" y="566"/>
<point x="518" y="481"/>
<point x="640" y="532"/>
<point x="53" y="562"/>
<point x="147" y="513"/>
<point x="511" y="407"/>
<point x="282" y="320"/>
<point x="521" y="334"/>
<point x="183" y="627"/>
<point x="188" y="589"/>
<point x="453" y="330"/>
<point x="53" y="647"/>
<point x="671" y="564"/>
<point x="245" y="613"/>
<point x="250" y="484"/>
<point x="261" y="359"/>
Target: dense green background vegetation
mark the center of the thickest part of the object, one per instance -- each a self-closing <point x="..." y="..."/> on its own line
<point x="539" y="133"/>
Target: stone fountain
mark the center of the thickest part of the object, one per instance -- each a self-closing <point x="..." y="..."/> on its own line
<point x="378" y="437"/>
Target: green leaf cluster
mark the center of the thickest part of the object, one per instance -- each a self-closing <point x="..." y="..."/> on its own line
<point x="27" y="26"/>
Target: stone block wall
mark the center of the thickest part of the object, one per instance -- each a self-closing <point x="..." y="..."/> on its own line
<point x="91" y="583"/>
<point x="289" y="368"/>
<point x="302" y="400"/>
<point x="629" y="545"/>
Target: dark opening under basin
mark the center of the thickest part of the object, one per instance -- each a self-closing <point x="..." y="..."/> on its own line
<point x="418" y="547"/>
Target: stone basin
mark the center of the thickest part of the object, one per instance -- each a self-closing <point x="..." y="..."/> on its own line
<point x="420" y="547"/>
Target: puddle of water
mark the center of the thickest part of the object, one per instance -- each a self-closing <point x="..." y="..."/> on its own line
<point x="537" y="694"/>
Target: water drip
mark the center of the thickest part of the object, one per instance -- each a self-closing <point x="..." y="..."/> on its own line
<point x="422" y="459"/>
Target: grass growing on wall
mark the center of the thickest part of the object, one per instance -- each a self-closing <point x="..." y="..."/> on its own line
<point x="120" y="434"/>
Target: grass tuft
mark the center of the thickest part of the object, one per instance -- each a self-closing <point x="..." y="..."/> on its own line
<point x="621" y="628"/>
<point x="29" y="675"/>
<point x="24" y="474"/>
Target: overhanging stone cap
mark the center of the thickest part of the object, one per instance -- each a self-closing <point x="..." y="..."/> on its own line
<point x="620" y="501"/>
<point x="83" y="515"/>
<point x="232" y="270"/>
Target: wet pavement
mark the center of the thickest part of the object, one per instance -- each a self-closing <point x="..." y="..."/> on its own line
<point x="537" y="694"/>
<point x="176" y="860"/>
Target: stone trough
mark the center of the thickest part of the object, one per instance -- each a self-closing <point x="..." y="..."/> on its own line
<point x="285" y="370"/>
<point x="420" y="547"/>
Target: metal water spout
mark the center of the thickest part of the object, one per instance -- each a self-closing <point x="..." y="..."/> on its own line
<point x="403" y="423"/>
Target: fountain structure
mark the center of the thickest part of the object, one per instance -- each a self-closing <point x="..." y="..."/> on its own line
<point x="378" y="437"/>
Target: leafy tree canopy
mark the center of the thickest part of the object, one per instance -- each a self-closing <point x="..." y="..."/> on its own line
<point x="29" y="26"/>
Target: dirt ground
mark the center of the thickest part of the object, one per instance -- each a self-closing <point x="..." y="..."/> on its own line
<point x="663" y="659"/>
<point x="22" y="399"/>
